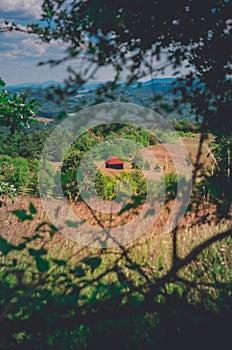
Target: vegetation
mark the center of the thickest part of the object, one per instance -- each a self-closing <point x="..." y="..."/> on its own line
<point x="14" y="171"/>
<point x="15" y="111"/>
<point x="38" y="282"/>
<point x="165" y="290"/>
<point x="23" y="145"/>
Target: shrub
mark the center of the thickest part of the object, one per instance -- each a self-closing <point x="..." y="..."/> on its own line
<point x="15" y="171"/>
<point x="7" y="190"/>
<point x="171" y="185"/>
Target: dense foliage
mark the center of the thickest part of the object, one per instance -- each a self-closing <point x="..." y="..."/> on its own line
<point x="15" y="111"/>
<point x="14" y="171"/>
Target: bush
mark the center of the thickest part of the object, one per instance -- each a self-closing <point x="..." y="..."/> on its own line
<point x="7" y="190"/>
<point x="15" y="171"/>
<point x="47" y="177"/>
<point x="171" y="185"/>
<point x="28" y="146"/>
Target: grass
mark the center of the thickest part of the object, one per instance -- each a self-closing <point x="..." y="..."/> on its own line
<point x="79" y="282"/>
<point x="153" y="250"/>
<point x="57" y="294"/>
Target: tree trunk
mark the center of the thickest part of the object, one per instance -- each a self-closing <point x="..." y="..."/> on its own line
<point x="12" y="129"/>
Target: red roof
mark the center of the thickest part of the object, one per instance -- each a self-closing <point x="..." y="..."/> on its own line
<point x="114" y="160"/>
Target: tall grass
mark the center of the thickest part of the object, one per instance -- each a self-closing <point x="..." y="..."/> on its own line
<point x="58" y="294"/>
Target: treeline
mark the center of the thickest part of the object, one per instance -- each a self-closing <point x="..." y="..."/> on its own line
<point x="21" y="151"/>
<point x="185" y="125"/>
<point x="20" y="154"/>
<point x="22" y="143"/>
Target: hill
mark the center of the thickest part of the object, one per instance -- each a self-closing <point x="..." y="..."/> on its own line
<point x="141" y="93"/>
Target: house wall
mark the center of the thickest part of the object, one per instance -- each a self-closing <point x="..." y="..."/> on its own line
<point x="114" y="166"/>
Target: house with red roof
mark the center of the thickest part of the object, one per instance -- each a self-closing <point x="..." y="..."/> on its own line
<point x="114" y="163"/>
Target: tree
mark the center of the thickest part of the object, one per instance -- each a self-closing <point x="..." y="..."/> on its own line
<point x="85" y="142"/>
<point x="138" y="162"/>
<point x="47" y="174"/>
<point x="171" y="185"/>
<point x="222" y="149"/>
<point x="16" y="111"/>
<point x="131" y="37"/>
<point x="178" y="292"/>
<point x="218" y="184"/>
<point x="23" y="145"/>
<point x="69" y="172"/>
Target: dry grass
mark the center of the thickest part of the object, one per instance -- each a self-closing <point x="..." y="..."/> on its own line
<point x="161" y="154"/>
<point x="153" y="248"/>
<point x="191" y="143"/>
<point x="44" y="119"/>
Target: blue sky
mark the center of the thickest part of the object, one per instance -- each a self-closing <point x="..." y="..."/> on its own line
<point x="20" y="52"/>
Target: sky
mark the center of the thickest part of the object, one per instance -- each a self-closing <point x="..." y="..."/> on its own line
<point x="20" y="53"/>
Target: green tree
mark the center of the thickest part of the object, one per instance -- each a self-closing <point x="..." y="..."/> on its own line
<point x="105" y="185"/>
<point x="222" y="149"/>
<point x="16" y="111"/>
<point x="28" y="146"/>
<point x="216" y="184"/>
<point x="69" y="172"/>
<point x="99" y="183"/>
<point x="47" y="176"/>
<point x="174" y="296"/>
<point x="6" y="191"/>
<point x="132" y="37"/>
<point x="85" y="142"/>
<point x="171" y="185"/>
<point x="138" y="162"/>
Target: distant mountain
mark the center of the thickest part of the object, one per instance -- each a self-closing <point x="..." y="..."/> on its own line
<point x="156" y="83"/>
<point x="141" y="93"/>
<point x="28" y="84"/>
<point x="33" y="86"/>
<point x="92" y="85"/>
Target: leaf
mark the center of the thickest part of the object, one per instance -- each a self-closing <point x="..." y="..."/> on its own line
<point x="5" y="247"/>
<point x="32" y="209"/>
<point x="93" y="262"/>
<point x="34" y="121"/>
<point x="134" y="300"/>
<point x="22" y="215"/>
<point x="61" y="116"/>
<point x="78" y="271"/>
<point x="21" y="246"/>
<point x="53" y="229"/>
<point x="37" y="252"/>
<point x="42" y="265"/>
<point x="59" y="262"/>
<point x="2" y="82"/>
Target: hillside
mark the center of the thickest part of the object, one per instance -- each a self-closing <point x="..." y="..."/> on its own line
<point x="141" y="93"/>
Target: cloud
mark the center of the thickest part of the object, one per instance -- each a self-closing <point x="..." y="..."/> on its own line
<point x="30" y="45"/>
<point x="20" y="44"/>
<point x="20" y="52"/>
<point x="20" y="9"/>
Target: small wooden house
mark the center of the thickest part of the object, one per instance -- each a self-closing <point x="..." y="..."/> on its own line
<point x="114" y="163"/>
